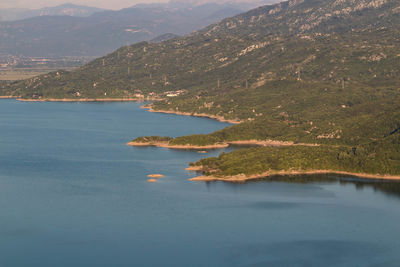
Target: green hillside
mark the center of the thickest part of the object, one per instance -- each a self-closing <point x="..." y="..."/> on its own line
<point x="314" y="71"/>
<point x="379" y="157"/>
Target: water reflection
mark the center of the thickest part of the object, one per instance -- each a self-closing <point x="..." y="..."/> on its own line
<point x="388" y="187"/>
<point x="307" y="253"/>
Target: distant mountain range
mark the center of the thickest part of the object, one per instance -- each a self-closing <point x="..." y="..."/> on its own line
<point x="103" y="32"/>
<point x="12" y="14"/>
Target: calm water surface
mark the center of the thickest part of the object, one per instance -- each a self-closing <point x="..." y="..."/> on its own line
<point x="72" y="194"/>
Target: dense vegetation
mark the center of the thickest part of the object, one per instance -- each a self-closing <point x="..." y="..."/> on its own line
<point x="380" y="157"/>
<point x="312" y="71"/>
<point x="5" y="89"/>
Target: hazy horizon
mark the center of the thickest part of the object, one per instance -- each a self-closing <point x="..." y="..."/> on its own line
<point x="106" y="4"/>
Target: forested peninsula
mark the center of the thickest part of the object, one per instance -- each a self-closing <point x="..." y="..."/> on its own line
<point x="314" y="83"/>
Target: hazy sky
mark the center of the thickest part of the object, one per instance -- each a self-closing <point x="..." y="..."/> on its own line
<point x="109" y="4"/>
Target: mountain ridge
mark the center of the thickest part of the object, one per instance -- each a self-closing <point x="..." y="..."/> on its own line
<point x="12" y="14"/>
<point x="103" y="32"/>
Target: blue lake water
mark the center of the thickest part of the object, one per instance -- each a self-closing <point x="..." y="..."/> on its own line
<point x="73" y="194"/>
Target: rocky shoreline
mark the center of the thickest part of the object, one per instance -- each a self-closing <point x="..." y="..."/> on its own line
<point x="220" y="145"/>
<point x="182" y="147"/>
<point x="240" y="178"/>
<point x="203" y="115"/>
<point x="82" y="100"/>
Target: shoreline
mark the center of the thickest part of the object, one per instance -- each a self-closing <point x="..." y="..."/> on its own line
<point x="8" y="97"/>
<point x="220" y="145"/>
<point x="148" y="107"/>
<point x="240" y="178"/>
<point x="182" y="147"/>
<point x="202" y="115"/>
<point x="85" y="100"/>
